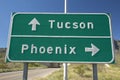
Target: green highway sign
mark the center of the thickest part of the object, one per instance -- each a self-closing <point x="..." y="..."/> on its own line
<point x="57" y="37"/>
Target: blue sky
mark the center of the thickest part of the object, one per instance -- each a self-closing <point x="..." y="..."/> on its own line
<point x="73" y="6"/>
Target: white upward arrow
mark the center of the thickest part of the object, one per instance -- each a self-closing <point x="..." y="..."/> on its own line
<point x="93" y="49"/>
<point x="34" y="22"/>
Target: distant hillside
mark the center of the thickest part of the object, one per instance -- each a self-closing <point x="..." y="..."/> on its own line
<point x="2" y="50"/>
<point x="117" y="44"/>
<point x="2" y="53"/>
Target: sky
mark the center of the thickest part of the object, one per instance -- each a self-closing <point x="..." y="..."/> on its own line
<point x="57" y="6"/>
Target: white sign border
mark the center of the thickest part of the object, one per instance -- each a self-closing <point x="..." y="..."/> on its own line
<point x="10" y="31"/>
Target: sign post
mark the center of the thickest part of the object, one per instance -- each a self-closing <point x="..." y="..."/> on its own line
<point x="69" y="38"/>
<point x="65" y="64"/>
<point x="95" y="73"/>
<point x="25" y="71"/>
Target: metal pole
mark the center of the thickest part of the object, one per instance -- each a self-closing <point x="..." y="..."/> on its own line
<point x="95" y="75"/>
<point x="65" y="72"/>
<point x="65" y="6"/>
<point x="65" y="64"/>
<point x="25" y="71"/>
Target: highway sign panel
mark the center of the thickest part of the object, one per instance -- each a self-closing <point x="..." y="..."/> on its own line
<point x="56" y="37"/>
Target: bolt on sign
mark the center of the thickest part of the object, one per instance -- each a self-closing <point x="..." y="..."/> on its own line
<point x="56" y="37"/>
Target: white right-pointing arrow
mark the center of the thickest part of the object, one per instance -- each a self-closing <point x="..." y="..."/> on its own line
<point x="93" y="49"/>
